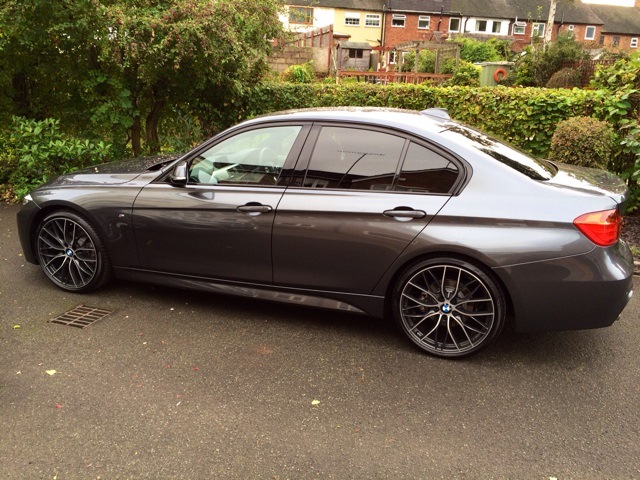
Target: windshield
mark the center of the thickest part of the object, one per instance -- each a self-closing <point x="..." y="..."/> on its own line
<point x="534" y="168"/>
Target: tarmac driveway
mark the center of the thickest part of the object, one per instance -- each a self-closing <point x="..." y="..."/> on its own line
<point x="174" y="384"/>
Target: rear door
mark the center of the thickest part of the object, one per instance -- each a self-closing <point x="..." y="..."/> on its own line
<point x="365" y="195"/>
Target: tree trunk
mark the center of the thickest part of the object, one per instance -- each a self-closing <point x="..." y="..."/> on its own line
<point x="552" y="16"/>
<point x="151" y="124"/>
<point x="135" y="136"/>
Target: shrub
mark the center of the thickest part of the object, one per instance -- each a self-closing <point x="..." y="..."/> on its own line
<point x="299" y="73"/>
<point x="466" y="74"/>
<point x="41" y="151"/>
<point x="565" y="78"/>
<point x="582" y="141"/>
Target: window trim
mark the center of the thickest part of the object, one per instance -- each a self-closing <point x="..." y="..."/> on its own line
<point x="459" y="24"/>
<point x="633" y="43"/>
<point x="398" y="16"/>
<point x="586" y="30"/>
<point x="538" y="29"/>
<point x="308" y="10"/>
<point x="353" y="16"/>
<point x="519" y="25"/>
<point x="372" y="16"/>
<point x="422" y="18"/>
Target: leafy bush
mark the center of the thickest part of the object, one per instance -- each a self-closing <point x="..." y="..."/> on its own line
<point x="41" y="151"/>
<point x="466" y="74"/>
<point x="426" y="61"/>
<point x="474" y="51"/>
<point x="539" y="63"/>
<point x="565" y="78"/>
<point x="299" y="73"/>
<point x="582" y="141"/>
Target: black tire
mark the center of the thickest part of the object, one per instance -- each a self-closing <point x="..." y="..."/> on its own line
<point x="448" y="307"/>
<point x="71" y="253"/>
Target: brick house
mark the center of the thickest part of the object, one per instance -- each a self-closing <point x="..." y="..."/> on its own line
<point x="621" y="29"/>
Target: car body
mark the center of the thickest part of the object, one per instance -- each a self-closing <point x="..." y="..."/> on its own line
<point x="364" y="210"/>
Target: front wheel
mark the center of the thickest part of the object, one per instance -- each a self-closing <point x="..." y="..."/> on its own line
<point x="71" y="253"/>
<point x="448" y="307"/>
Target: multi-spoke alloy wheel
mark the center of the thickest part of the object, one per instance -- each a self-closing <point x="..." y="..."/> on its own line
<point x="70" y="252"/>
<point x="449" y="307"/>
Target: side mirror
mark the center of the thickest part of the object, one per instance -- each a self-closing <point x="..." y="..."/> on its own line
<point x="180" y="174"/>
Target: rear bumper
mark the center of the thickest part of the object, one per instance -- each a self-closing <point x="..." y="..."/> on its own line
<point x="579" y="292"/>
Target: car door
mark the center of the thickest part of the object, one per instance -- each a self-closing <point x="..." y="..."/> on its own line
<point x="364" y="197"/>
<point x="219" y="224"/>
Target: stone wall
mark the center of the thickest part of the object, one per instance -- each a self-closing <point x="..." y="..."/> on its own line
<point x="286" y="56"/>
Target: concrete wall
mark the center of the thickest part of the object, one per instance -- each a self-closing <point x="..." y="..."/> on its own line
<point x="284" y="57"/>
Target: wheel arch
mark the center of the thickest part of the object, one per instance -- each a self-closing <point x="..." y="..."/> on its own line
<point x="408" y="263"/>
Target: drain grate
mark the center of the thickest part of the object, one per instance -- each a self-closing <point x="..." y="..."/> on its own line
<point x="81" y="316"/>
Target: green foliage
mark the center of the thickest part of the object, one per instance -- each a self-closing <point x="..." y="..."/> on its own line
<point x="525" y="117"/>
<point x="565" y="78"/>
<point x="582" y="141"/>
<point x="466" y="74"/>
<point x="41" y="151"/>
<point x="475" y="51"/>
<point x="299" y="73"/>
<point x="539" y="62"/>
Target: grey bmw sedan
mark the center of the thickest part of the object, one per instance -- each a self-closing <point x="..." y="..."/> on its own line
<point x="385" y="212"/>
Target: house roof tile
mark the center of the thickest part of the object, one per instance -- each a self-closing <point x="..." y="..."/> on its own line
<point x="625" y="20"/>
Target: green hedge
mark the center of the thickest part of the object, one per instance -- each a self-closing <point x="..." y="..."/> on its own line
<point x="526" y="117"/>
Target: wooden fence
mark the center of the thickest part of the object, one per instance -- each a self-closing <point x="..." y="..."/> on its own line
<point x="393" y="77"/>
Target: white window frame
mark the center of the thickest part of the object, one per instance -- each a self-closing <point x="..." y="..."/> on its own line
<point x="477" y="26"/>
<point x="392" y="57"/>
<point x="424" y="18"/>
<point x="633" y="43"/>
<point x="459" y="23"/>
<point x="571" y="27"/>
<point x="519" y="25"/>
<point x="372" y="20"/>
<point x="398" y="17"/>
<point x="352" y="19"/>
<point x="493" y="26"/>
<point x="538" y="29"/>
<point x="586" y="33"/>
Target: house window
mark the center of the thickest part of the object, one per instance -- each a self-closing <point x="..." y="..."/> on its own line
<point x="601" y="40"/>
<point x="392" y="56"/>
<point x="537" y="30"/>
<point x="301" y="15"/>
<point x="519" y="28"/>
<point x="571" y="27"/>
<point x="424" y="22"/>
<point x="454" y="24"/>
<point x="590" y="33"/>
<point x="481" y="25"/>
<point x="496" y="27"/>
<point x="352" y="19"/>
<point x="634" y="42"/>
<point x="372" y="20"/>
<point x="616" y="41"/>
<point x="355" y="52"/>
<point x="398" y="20"/>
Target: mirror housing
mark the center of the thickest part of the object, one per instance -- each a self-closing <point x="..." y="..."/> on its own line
<point x="180" y="174"/>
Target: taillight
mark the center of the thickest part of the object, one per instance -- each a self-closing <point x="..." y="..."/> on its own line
<point x="602" y="228"/>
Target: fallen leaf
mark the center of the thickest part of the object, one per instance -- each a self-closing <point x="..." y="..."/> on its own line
<point x="315" y="402"/>
<point x="58" y="405"/>
<point x="51" y="372"/>
<point x="15" y="327"/>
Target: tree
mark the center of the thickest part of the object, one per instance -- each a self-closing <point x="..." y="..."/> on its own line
<point x="123" y="63"/>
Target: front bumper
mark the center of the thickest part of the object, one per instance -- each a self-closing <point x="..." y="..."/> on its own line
<point x="26" y="218"/>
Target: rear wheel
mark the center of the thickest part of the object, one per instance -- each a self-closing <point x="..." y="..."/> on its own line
<point x="71" y="253"/>
<point x="448" y="307"/>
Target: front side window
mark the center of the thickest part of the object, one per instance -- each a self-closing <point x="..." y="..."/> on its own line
<point x="496" y="27"/>
<point x="398" y="20"/>
<point x="355" y="52"/>
<point x="454" y="24"/>
<point x="590" y="33"/>
<point x="372" y="20"/>
<point x="616" y="41"/>
<point x="519" y="28"/>
<point x="634" y="42"/>
<point x="301" y="15"/>
<point x="252" y="157"/>
<point x="352" y="19"/>
<point x="425" y="171"/>
<point x="538" y="30"/>
<point x="424" y="21"/>
<point x="354" y="158"/>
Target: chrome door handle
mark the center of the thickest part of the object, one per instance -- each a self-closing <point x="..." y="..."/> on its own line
<point x="254" y="208"/>
<point x="403" y="212"/>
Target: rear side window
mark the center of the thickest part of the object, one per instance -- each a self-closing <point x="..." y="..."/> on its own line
<point x="426" y="171"/>
<point x="354" y="158"/>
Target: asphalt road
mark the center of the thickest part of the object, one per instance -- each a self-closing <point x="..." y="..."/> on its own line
<point x="175" y="384"/>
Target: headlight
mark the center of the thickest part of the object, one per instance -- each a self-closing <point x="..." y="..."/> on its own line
<point x="27" y="198"/>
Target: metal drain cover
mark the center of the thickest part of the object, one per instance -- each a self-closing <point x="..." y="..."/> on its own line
<point x="81" y="316"/>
